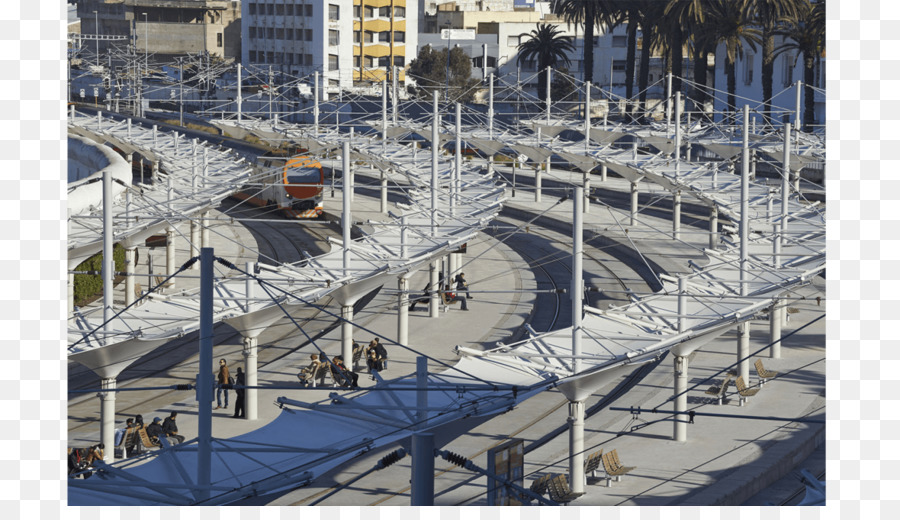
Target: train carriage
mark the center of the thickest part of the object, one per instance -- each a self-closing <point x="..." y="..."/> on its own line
<point x="294" y="185"/>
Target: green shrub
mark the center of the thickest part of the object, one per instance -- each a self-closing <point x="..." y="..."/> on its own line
<point x="89" y="287"/>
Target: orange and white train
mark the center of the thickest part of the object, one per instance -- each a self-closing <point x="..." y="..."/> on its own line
<point x="292" y="185"/>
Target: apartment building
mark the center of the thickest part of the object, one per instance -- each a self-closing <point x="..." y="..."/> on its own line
<point x="351" y="42"/>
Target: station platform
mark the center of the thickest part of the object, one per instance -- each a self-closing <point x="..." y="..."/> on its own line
<point x="726" y="459"/>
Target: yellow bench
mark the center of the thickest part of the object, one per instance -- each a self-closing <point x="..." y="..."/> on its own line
<point x="762" y="372"/>
<point x="614" y="467"/>
<point x="560" y="491"/>
<point x="719" y="391"/>
<point x="744" y="391"/>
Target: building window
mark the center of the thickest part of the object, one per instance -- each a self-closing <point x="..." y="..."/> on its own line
<point x="270" y="9"/>
<point x="385" y="12"/>
<point x="369" y="12"/>
<point x="308" y="35"/>
<point x="334" y="37"/>
<point x="399" y="12"/>
<point x="333" y="62"/>
<point x="307" y="59"/>
<point x="400" y="61"/>
<point x="270" y="33"/>
<point x="218" y="39"/>
<point x="279" y="33"/>
<point x="251" y="9"/>
<point x="356" y="11"/>
<point x="619" y="41"/>
<point x="289" y="9"/>
<point x="252" y="32"/>
<point x="619" y="65"/>
<point x="279" y="9"/>
<point x="370" y="62"/>
<point x="309" y="10"/>
<point x="399" y="36"/>
<point x="512" y="41"/>
<point x="289" y="33"/>
<point x="355" y="36"/>
<point x="367" y="37"/>
<point x="334" y="12"/>
<point x="384" y="36"/>
<point x="252" y="56"/>
<point x="748" y="69"/>
<point x="384" y="61"/>
<point x="788" y="74"/>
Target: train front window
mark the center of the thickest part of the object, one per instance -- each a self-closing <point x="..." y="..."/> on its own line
<point x="303" y="176"/>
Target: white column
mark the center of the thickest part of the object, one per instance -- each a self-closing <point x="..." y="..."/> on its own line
<point x="457" y="170"/>
<point x="195" y="242"/>
<point x="785" y="178"/>
<point x="681" y="385"/>
<point x="129" y="275"/>
<point x="676" y="215"/>
<point x="576" y="446"/>
<point x="316" y="102"/>
<point x="396" y="102"/>
<point x="798" y="120"/>
<point x="384" y="192"/>
<point x="634" y="202"/>
<point x="239" y="100"/>
<point x="108" y="267"/>
<point x="668" y="101"/>
<point x="677" y="152"/>
<point x="548" y="94"/>
<point x="204" y="229"/>
<point x="251" y="378"/>
<point x="491" y="107"/>
<point x="170" y="255"/>
<point x="603" y="173"/>
<point x="434" y="304"/>
<point x="70" y="292"/>
<point x="577" y="288"/>
<point x="775" y="330"/>
<point x="713" y="226"/>
<point x="776" y="244"/>
<point x="587" y="117"/>
<point x="383" y="112"/>
<point x="435" y="121"/>
<point x="108" y="418"/>
<point x="347" y="333"/>
<point x="346" y="197"/>
<point x="402" y="310"/>
<point x="538" y="173"/>
<point x="744" y="351"/>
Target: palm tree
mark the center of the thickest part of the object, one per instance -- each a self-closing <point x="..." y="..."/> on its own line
<point x="769" y="15"/>
<point x="733" y="22"/>
<point x="807" y="33"/>
<point x="548" y="47"/>
<point x="654" y="36"/>
<point x="587" y="13"/>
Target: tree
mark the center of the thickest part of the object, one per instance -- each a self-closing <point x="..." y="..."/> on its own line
<point x="733" y="22"/>
<point x="806" y="35"/>
<point x="562" y="86"/>
<point x="547" y="46"/>
<point x="429" y="69"/>
<point x="691" y="14"/>
<point x="654" y="35"/>
<point x="770" y="14"/>
<point x="587" y="13"/>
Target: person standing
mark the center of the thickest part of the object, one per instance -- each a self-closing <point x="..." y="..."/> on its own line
<point x="224" y="378"/>
<point x="170" y="429"/>
<point x="239" y="401"/>
<point x="461" y="284"/>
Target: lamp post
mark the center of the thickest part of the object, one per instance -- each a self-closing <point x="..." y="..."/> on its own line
<point x="97" y="36"/>
<point x="447" y="93"/>
<point x="146" y="39"/>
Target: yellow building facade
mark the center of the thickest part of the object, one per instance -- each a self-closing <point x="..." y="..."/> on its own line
<point x="379" y="39"/>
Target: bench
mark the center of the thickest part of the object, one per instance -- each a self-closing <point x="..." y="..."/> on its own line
<point x="121" y="450"/>
<point x="592" y="463"/>
<point x="308" y="377"/>
<point x="614" y="467"/>
<point x="145" y="439"/>
<point x="762" y="372"/>
<point x="743" y="390"/>
<point x="447" y="303"/>
<point x="357" y="356"/>
<point x="719" y="391"/>
<point x="541" y="485"/>
<point x="560" y="491"/>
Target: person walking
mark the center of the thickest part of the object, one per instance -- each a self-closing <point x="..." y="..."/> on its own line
<point x="224" y="378"/>
<point x="239" y="401"/>
<point x="461" y="284"/>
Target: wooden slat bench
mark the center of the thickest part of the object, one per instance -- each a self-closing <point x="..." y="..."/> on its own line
<point x="719" y="391"/>
<point x="592" y="463"/>
<point x="541" y="485"/>
<point x="614" y="467"/>
<point x="762" y="372"/>
<point x="744" y="392"/>
<point x="560" y="492"/>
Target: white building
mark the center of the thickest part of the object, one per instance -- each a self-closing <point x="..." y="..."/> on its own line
<point x="351" y="42"/>
<point x="748" y="81"/>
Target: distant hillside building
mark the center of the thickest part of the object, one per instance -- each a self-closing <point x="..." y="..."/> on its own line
<point x="352" y="42"/>
<point x="167" y="28"/>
